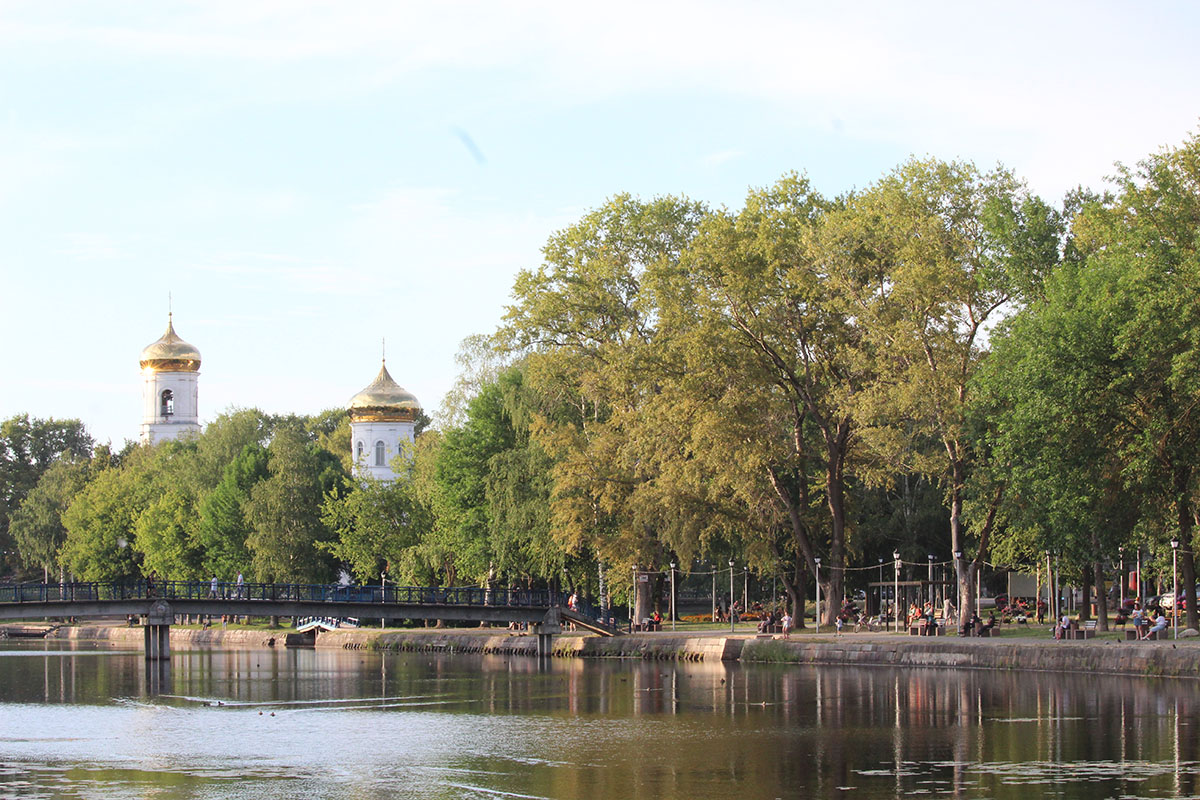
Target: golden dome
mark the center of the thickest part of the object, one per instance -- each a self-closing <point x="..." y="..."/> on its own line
<point x="170" y="353"/>
<point x="384" y="400"/>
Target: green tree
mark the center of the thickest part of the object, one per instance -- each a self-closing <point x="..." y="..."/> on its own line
<point x="222" y="529"/>
<point x="284" y="510"/>
<point x="585" y="324"/>
<point x="926" y="259"/>
<point x="777" y="355"/>
<point x="378" y="525"/>
<point x="100" y="525"/>
<point x="28" y="446"/>
<point x="37" y="526"/>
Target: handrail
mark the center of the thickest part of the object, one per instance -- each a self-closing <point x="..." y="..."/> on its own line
<point x="90" y="591"/>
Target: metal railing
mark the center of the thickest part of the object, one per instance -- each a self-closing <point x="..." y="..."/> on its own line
<point x="91" y="591"/>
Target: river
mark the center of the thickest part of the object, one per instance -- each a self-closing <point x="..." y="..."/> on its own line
<point x="360" y="724"/>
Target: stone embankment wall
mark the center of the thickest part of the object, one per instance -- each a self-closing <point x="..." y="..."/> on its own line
<point x="1097" y="656"/>
<point x="181" y="638"/>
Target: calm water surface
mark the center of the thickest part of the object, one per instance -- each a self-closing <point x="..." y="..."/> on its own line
<point x="345" y="724"/>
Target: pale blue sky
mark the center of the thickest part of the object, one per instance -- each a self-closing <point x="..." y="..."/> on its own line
<point x="307" y="178"/>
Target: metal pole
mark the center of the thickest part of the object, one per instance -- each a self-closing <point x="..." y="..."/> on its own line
<point x="731" y="595"/>
<point x="932" y="599"/>
<point x="879" y="591"/>
<point x="1175" y="581"/>
<point x="1121" y="553"/>
<point x="714" y="598"/>
<point x="633" y="597"/>
<point x="896" y="589"/>
<point x="1140" y="589"/>
<point x="818" y="575"/>
<point x="1049" y="585"/>
<point x="672" y="596"/>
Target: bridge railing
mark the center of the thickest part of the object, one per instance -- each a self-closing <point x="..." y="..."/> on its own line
<point x="87" y="591"/>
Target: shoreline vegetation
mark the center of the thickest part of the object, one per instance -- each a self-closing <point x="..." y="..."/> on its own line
<point x="1014" y="651"/>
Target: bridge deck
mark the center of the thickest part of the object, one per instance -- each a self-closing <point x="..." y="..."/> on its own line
<point x="471" y="604"/>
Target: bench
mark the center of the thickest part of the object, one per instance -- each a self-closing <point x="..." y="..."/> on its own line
<point x="1134" y="635"/>
<point x="924" y="629"/>
<point x="1088" y="631"/>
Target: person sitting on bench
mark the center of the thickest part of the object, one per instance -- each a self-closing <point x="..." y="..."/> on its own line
<point x="1160" y="624"/>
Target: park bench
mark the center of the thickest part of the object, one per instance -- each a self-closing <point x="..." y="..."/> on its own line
<point x="924" y="628"/>
<point x="1088" y="631"/>
<point x="1135" y="634"/>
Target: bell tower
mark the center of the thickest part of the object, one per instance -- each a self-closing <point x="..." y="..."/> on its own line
<point x="383" y="420"/>
<point x="170" y="394"/>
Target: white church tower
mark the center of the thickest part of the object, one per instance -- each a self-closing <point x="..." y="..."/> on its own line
<point x="170" y="397"/>
<point x="383" y="420"/>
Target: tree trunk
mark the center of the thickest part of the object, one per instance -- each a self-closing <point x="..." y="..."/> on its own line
<point x="1101" y="597"/>
<point x="1185" y="514"/>
<point x="643" y="600"/>
<point x="1085" y="610"/>
<point x="835" y="490"/>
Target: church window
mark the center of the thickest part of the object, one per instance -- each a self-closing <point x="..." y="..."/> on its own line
<point x="360" y="451"/>
<point x="379" y="454"/>
<point x="168" y="403"/>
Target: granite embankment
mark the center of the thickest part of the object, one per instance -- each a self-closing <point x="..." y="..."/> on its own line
<point x="1096" y="656"/>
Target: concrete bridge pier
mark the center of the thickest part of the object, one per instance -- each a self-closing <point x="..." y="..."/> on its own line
<point x="157" y="631"/>
<point x="545" y="630"/>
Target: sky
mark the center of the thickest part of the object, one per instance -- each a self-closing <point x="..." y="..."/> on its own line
<point x="305" y="180"/>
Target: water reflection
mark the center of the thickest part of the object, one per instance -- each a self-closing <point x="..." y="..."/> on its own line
<point x="362" y="724"/>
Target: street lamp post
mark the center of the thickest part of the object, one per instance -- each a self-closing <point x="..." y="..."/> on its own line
<point x="932" y="599"/>
<point x="817" y="561"/>
<point x="1121" y="555"/>
<point x="731" y="595"/>
<point x="1050" y="604"/>
<point x="880" y="590"/>
<point x="1175" y="581"/>
<point x="896" y="588"/>
<point x="958" y="555"/>
<point x="672" y="596"/>
<point x="714" y="591"/>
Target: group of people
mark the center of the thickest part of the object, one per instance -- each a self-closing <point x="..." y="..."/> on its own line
<point x="770" y="619"/>
<point x="1148" y="624"/>
<point x="214" y="588"/>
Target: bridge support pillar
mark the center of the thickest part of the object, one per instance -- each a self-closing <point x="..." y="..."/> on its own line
<point x="545" y="645"/>
<point x="157" y="632"/>
<point x="158" y="642"/>
<point x="545" y="630"/>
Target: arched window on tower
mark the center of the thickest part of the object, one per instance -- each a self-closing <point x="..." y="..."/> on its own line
<point x="359" y="453"/>
<point x="379" y="453"/>
<point x="168" y="403"/>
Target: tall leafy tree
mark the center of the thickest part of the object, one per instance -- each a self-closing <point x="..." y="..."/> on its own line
<point x="379" y="526"/>
<point x="585" y="324"/>
<point x="789" y="370"/>
<point x="101" y="527"/>
<point x="28" y="446"/>
<point x="284" y="510"/>
<point x="222" y="529"/>
<point x="37" y="527"/>
<point x="925" y="260"/>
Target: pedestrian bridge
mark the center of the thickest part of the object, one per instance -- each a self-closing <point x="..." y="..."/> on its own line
<point x="161" y="602"/>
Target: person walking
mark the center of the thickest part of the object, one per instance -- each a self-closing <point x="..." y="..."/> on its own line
<point x="212" y="588"/>
<point x="241" y="587"/>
